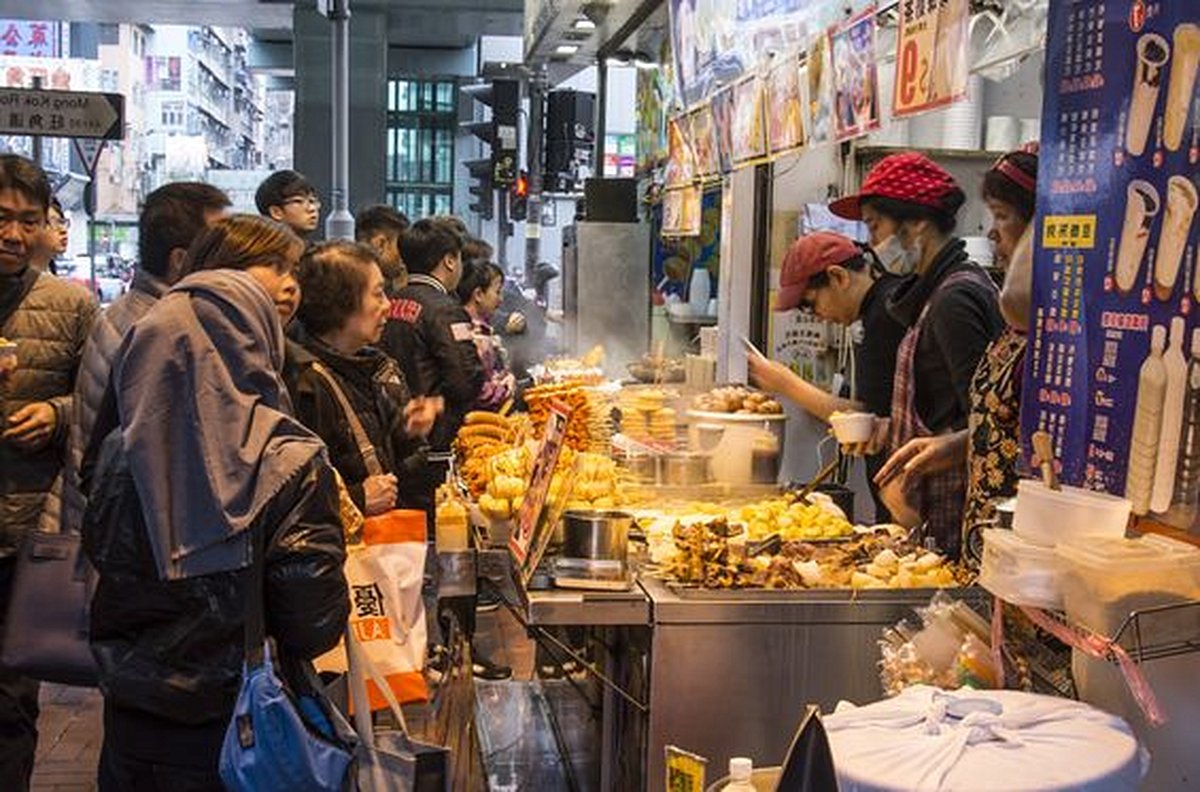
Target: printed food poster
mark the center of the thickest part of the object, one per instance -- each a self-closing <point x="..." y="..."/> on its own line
<point x="681" y="212"/>
<point x="931" y="56"/>
<point x="681" y="161"/>
<point x="819" y="72"/>
<point x="704" y="141"/>
<point x="1113" y="368"/>
<point x="722" y="115"/>
<point x="749" y="122"/>
<point x="855" y="76"/>
<point x="785" y="112"/>
<point x="651" y="120"/>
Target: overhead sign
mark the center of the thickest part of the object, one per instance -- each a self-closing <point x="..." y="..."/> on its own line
<point x="70" y="114"/>
<point x="931" y="56"/>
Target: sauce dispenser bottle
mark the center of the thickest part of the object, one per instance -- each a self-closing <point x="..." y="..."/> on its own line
<point x="1147" y="424"/>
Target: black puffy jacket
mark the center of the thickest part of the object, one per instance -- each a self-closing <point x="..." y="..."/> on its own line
<point x="174" y="648"/>
<point x="429" y="334"/>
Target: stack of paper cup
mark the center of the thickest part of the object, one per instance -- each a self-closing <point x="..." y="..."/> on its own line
<point x="1003" y="133"/>
<point x="963" y="119"/>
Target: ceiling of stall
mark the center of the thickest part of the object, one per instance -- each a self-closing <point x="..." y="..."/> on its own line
<point x="637" y="26"/>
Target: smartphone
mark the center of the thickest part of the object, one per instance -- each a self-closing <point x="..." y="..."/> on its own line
<point x="746" y="342"/>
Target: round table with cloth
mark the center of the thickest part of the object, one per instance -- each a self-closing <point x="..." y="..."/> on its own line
<point x="982" y="741"/>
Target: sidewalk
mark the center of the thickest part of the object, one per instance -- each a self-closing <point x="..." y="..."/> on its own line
<point x="69" y="737"/>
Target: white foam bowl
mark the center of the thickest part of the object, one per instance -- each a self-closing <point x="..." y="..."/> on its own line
<point x="1046" y="517"/>
<point x="852" y="427"/>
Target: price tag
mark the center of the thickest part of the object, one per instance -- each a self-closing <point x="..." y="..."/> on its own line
<point x="544" y="463"/>
<point x="931" y="55"/>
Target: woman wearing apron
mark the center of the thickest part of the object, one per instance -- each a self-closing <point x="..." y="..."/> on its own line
<point x="949" y="305"/>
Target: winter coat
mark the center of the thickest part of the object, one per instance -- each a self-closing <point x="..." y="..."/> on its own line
<point x="429" y="334"/>
<point x="174" y="648"/>
<point x="377" y="392"/>
<point x="50" y="327"/>
<point x="95" y="369"/>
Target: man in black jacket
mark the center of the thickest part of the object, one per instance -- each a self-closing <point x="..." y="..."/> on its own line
<point x="429" y="333"/>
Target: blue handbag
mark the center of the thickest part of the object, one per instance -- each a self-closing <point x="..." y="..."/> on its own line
<point x="277" y="739"/>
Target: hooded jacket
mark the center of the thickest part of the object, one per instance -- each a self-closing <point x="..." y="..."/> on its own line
<point x="205" y="472"/>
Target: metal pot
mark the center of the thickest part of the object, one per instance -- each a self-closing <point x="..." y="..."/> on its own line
<point x="596" y="535"/>
<point x="643" y="467"/>
<point x="686" y="469"/>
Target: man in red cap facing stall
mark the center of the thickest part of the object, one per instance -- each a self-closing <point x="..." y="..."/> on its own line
<point x="841" y="282"/>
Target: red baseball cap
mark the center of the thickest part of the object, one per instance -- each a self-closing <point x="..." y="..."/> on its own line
<point x="909" y="177"/>
<point x="808" y="255"/>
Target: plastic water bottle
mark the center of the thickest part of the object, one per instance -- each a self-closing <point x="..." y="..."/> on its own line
<point x="740" y="771"/>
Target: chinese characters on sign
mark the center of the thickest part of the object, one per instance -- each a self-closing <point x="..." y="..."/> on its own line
<point x="931" y="55"/>
<point x="61" y="113"/>
<point x="30" y="38"/>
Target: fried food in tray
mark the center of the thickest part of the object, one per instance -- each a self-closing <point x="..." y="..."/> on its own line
<point x="714" y="555"/>
<point x="738" y="400"/>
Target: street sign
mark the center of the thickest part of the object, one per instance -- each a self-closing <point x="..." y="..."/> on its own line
<point x="88" y="150"/>
<point x="70" y="114"/>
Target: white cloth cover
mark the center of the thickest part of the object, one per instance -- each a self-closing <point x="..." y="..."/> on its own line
<point x="994" y="740"/>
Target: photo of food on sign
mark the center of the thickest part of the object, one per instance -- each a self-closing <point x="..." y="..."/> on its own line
<point x="855" y="77"/>
<point x="785" y="108"/>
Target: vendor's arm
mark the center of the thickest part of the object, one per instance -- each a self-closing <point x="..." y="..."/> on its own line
<point x="923" y="456"/>
<point x="778" y="379"/>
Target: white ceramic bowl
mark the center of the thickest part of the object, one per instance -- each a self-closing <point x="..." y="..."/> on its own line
<point x="852" y="427"/>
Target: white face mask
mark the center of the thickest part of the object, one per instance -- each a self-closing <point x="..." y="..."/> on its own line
<point x="894" y="257"/>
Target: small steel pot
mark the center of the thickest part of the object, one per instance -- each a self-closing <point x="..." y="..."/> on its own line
<point x="686" y="470"/>
<point x="596" y="535"/>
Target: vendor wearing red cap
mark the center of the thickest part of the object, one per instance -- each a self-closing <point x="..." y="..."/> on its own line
<point x="950" y="307"/>
<point x="844" y="283"/>
<point x="989" y="449"/>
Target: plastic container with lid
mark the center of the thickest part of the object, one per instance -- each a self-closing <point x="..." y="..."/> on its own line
<point x="1103" y="580"/>
<point x="1019" y="571"/>
<point x="1046" y="517"/>
<point x="741" y="770"/>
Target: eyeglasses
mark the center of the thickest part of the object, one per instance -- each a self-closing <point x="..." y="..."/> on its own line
<point x="62" y="222"/>
<point x="305" y="200"/>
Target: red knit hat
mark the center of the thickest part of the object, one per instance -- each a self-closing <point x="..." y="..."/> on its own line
<point x="807" y="256"/>
<point x="909" y="177"/>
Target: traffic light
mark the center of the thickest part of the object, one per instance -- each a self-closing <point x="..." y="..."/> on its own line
<point x="518" y="198"/>
<point x="483" y="190"/>
<point x="499" y="133"/>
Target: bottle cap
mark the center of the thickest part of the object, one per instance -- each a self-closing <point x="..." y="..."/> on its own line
<point x="740" y="769"/>
<point x="1158" y="338"/>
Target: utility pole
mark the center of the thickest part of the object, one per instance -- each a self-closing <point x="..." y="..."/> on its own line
<point x="340" y="223"/>
<point x="533" y="164"/>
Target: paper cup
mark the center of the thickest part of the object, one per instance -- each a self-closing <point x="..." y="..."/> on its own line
<point x="1152" y="54"/>
<point x="1182" y="81"/>
<point x="1002" y="133"/>
<point x="1181" y="207"/>
<point x="1141" y="205"/>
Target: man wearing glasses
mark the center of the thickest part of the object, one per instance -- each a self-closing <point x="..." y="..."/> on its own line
<point x="289" y="198"/>
<point x="48" y="319"/>
<point x="54" y="239"/>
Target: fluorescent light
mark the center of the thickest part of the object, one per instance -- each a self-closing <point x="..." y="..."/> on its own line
<point x="583" y="23"/>
<point x="566" y="49"/>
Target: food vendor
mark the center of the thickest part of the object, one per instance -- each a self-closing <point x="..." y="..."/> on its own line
<point x="989" y="448"/>
<point x="844" y="283"/>
<point x="950" y="308"/>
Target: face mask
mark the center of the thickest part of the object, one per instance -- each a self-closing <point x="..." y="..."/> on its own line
<point x="894" y="258"/>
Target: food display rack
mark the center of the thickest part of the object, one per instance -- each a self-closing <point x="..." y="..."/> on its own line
<point x="719" y="673"/>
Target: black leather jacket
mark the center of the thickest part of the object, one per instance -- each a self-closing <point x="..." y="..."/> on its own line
<point x="175" y="648"/>
<point x="429" y="334"/>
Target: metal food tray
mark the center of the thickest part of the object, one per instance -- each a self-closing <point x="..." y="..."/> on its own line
<point x="694" y="592"/>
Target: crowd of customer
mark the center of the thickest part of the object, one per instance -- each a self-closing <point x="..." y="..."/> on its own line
<point x="221" y="411"/>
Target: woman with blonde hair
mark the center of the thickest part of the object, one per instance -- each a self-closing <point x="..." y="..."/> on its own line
<point x="205" y="484"/>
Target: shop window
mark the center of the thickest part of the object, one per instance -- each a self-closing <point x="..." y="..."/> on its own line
<point x="419" y="168"/>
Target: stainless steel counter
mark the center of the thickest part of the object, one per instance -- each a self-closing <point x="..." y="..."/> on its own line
<point x="562" y="608"/>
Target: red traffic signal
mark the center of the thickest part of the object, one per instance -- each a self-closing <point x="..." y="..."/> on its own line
<point x="520" y="187"/>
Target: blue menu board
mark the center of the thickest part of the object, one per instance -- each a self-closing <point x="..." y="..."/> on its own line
<point x="1112" y="348"/>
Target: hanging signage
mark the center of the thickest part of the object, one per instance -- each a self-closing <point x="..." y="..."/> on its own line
<point x="30" y="38"/>
<point x="819" y="72"/>
<point x="855" y="76"/>
<point x="529" y="516"/>
<point x="1113" y="367"/>
<point x="749" y="133"/>
<point x="931" y="55"/>
<point x="785" y="108"/>
<point x="77" y="114"/>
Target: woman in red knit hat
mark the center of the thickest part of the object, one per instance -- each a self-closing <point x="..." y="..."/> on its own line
<point x="951" y="310"/>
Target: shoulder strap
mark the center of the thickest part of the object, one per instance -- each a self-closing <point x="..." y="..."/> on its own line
<point x="255" y="632"/>
<point x="365" y="447"/>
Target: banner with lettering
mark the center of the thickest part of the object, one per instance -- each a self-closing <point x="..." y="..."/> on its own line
<point x="931" y="55"/>
<point x="1113" y="367"/>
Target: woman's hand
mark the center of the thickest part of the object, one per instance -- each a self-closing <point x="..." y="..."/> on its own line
<point x="923" y="456"/>
<point x="379" y="492"/>
<point x="421" y="413"/>
<point x="768" y="375"/>
<point x="515" y="324"/>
